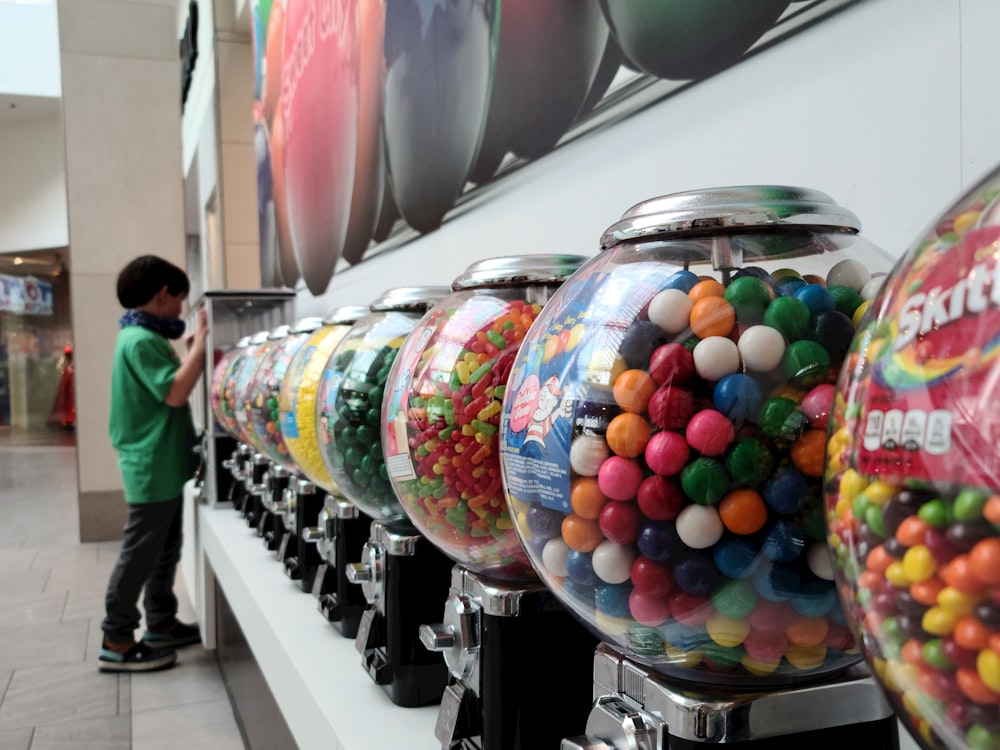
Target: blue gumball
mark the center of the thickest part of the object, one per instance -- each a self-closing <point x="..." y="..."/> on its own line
<point x="659" y="540"/>
<point x="580" y="568"/>
<point x="784" y="542"/>
<point x="816" y="599"/>
<point x="696" y="574"/>
<point x="544" y="522"/>
<point x="738" y="397"/>
<point x="787" y="491"/>
<point x="580" y="594"/>
<point x="682" y="280"/>
<point x="735" y="558"/>
<point x="816" y="298"/>
<point x="612" y="600"/>
<point x="777" y="583"/>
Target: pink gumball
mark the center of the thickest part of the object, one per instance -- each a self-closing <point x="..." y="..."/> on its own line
<point x="817" y="405"/>
<point x="667" y="453"/>
<point x="650" y="611"/>
<point x="619" y="478"/>
<point x="710" y="432"/>
<point x="766" y="647"/>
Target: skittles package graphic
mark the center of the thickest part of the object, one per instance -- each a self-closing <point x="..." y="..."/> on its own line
<point x="913" y="480"/>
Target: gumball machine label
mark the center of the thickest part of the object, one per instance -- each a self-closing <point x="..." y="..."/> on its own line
<point x="932" y="361"/>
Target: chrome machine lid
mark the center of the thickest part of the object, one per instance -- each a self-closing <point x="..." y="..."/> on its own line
<point x="280" y="332"/>
<point x="714" y="209"/>
<point x="519" y="270"/>
<point x="345" y="315"/>
<point x="307" y="325"/>
<point x="260" y="337"/>
<point x="243" y="342"/>
<point x="409" y="298"/>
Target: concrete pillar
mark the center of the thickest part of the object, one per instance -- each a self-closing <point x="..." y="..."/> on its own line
<point x="121" y="99"/>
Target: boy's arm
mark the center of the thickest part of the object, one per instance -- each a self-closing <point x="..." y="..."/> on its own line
<point x="186" y="377"/>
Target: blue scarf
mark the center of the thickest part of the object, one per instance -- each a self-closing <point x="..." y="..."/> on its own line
<point x="169" y="329"/>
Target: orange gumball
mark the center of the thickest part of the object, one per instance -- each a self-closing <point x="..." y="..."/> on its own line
<point x="911" y="531"/>
<point x="712" y="316"/>
<point x="995" y="643"/>
<point x="912" y="653"/>
<point x="869" y="580"/>
<point x="633" y="389"/>
<point x="878" y="560"/>
<point x="581" y="534"/>
<point x="926" y="591"/>
<point x="970" y="633"/>
<point x="703" y="289"/>
<point x="984" y="560"/>
<point x="973" y="687"/>
<point x="991" y="511"/>
<point x="807" y="631"/>
<point x="586" y="498"/>
<point x="809" y="451"/>
<point x="958" y="574"/>
<point x="628" y="434"/>
<point x="743" y="512"/>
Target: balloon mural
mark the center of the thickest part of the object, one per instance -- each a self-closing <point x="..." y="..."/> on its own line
<point x="372" y="112"/>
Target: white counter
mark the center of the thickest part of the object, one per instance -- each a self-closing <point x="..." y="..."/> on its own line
<point x="329" y="702"/>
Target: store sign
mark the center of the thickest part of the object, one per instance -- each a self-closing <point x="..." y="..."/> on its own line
<point x="25" y="296"/>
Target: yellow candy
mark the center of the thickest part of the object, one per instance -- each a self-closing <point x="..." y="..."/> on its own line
<point x="843" y="509"/>
<point x="918" y="563"/>
<point x="879" y="493"/>
<point x="896" y="575"/>
<point x="911" y="702"/>
<point x="611" y="625"/>
<point x="988" y="666"/>
<point x="965" y="221"/>
<point x="901" y="676"/>
<point x="759" y="668"/>
<point x="859" y="312"/>
<point x="956" y="602"/>
<point x="851" y="484"/>
<point x="726" y="631"/>
<point x="881" y="667"/>
<point x="806" y="657"/>
<point x="938" y="621"/>
<point x="681" y="658"/>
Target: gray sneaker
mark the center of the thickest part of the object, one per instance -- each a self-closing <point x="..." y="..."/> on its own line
<point x="140" y="658"/>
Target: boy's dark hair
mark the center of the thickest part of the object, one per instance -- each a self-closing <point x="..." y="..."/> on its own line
<point x="145" y="276"/>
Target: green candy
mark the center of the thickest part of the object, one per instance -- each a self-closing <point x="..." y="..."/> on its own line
<point x="981" y="738"/>
<point x="935" y="513"/>
<point x="749" y="297"/>
<point x="892" y="631"/>
<point x="873" y="517"/>
<point x="705" y="481"/>
<point x="724" y="656"/>
<point x="749" y="462"/>
<point x="736" y="599"/>
<point x="933" y="654"/>
<point x="846" y="299"/>
<point x="969" y="505"/>
<point x="805" y="363"/>
<point x="789" y="316"/>
<point x="780" y="419"/>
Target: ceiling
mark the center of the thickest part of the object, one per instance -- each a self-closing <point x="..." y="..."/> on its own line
<point x="15" y="109"/>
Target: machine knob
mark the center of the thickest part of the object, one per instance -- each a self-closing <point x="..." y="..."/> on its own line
<point x="287" y="502"/>
<point x="229" y="464"/>
<point x="312" y="534"/>
<point x="358" y="573"/>
<point x="437" y="637"/>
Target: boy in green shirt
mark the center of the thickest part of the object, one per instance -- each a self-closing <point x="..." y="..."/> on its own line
<point x="152" y="431"/>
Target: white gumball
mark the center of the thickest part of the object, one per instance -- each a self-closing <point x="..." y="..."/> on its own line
<point x="761" y="348"/>
<point x="587" y="454"/>
<point x="699" y="526"/>
<point x="613" y="562"/>
<point x="554" y="555"/>
<point x="715" y="357"/>
<point x="671" y="310"/>
<point x="869" y="290"/>
<point x="850" y="273"/>
<point x="820" y="563"/>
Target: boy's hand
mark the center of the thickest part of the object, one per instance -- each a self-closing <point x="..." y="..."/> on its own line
<point x="199" y="337"/>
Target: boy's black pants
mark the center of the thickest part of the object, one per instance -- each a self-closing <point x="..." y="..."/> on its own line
<point x="151" y="549"/>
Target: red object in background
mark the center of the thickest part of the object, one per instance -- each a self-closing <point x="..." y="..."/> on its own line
<point x="319" y="110"/>
<point x="63" y="414"/>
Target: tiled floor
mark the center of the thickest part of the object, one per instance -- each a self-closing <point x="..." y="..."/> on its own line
<point x="52" y="591"/>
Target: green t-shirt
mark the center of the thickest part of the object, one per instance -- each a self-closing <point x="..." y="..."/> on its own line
<point x="154" y="441"/>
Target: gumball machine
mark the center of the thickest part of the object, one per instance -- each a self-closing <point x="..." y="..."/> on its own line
<point x="257" y="479"/>
<point x="662" y="443"/>
<point x="282" y="477"/>
<point x="441" y="443"/>
<point x="312" y="543"/>
<point x="232" y="317"/>
<point x="913" y="479"/>
<point x="402" y="576"/>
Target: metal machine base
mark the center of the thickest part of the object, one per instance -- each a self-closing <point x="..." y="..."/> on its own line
<point x="521" y="666"/>
<point x="337" y="599"/>
<point x="405" y="579"/>
<point x="640" y="710"/>
<point x="299" y="558"/>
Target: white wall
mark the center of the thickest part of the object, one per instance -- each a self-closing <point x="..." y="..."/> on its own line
<point x="32" y="185"/>
<point x="29" y="50"/>
<point x="886" y="106"/>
